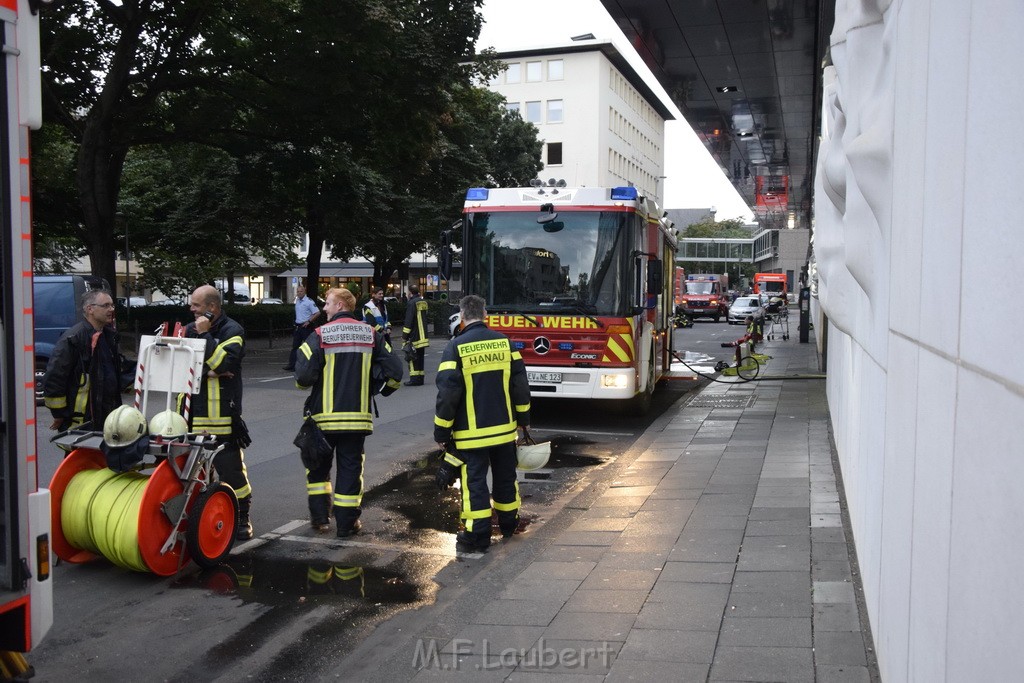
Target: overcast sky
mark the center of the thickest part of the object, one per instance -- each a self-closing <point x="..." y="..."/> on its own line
<point x="694" y="179"/>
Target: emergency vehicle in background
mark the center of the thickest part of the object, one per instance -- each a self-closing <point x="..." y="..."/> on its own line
<point x="580" y="279"/>
<point x="772" y="284"/>
<point x="704" y="296"/>
<point x="26" y="587"/>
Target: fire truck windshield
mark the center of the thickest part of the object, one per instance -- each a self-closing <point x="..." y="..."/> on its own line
<point x="578" y="262"/>
<point x="700" y="287"/>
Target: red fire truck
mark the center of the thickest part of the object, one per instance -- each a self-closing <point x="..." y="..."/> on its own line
<point x="772" y="284"/>
<point x="580" y="279"/>
<point x="26" y="589"/>
<point x="705" y="296"/>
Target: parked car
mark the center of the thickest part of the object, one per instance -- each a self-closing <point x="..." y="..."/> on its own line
<point x="453" y="323"/>
<point x="744" y="306"/>
<point x="270" y="300"/>
<point x="132" y="301"/>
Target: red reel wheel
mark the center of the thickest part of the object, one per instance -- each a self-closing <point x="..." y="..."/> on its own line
<point x="211" y="525"/>
<point x="154" y="527"/>
<point x="79" y="460"/>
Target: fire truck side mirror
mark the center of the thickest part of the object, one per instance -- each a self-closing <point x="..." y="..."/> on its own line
<point x="655" y="281"/>
<point x="445" y="262"/>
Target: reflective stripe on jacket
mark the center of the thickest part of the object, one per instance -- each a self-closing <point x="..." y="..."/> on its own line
<point x="482" y="390"/>
<point x="77" y="388"/>
<point x="219" y="396"/>
<point x="340" y="362"/>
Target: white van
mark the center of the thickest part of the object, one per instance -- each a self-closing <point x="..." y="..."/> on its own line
<point x="242" y="295"/>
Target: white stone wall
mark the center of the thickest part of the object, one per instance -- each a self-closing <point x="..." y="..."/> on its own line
<point x="916" y="202"/>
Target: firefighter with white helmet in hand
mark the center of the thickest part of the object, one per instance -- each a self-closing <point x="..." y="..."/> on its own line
<point x="483" y="427"/>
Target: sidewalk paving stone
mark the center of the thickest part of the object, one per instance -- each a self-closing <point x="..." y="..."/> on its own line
<point x="791" y="664"/>
<point x="669" y="645"/>
<point x="628" y="601"/>
<point x="765" y="631"/>
<point x="839" y="647"/>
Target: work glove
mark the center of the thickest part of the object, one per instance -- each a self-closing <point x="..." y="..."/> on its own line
<point x="448" y="470"/>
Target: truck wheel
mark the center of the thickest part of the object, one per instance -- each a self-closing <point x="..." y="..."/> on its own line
<point x="641" y="403"/>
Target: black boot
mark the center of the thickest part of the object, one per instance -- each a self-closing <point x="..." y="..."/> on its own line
<point x="320" y="511"/>
<point x="415" y="382"/>
<point x="243" y="527"/>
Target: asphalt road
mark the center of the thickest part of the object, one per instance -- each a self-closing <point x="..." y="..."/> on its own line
<point x="291" y="602"/>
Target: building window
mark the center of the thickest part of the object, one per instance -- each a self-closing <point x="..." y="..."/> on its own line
<point x="555" y="69"/>
<point x="554" y="154"/>
<point x="533" y="112"/>
<point x="554" y="111"/>
<point x="533" y="72"/>
<point x="512" y="107"/>
<point x="514" y="73"/>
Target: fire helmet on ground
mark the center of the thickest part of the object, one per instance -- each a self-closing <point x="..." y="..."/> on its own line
<point x="168" y="424"/>
<point x="124" y="426"/>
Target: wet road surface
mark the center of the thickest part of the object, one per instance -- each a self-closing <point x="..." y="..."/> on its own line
<point x="288" y="603"/>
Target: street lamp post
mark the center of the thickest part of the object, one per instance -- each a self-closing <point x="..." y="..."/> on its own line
<point x="123" y="224"/>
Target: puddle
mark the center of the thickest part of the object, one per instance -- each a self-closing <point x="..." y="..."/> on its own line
<point x="313" y="612"/>
<point x="277" y="581"/>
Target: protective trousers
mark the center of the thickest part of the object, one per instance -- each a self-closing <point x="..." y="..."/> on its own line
<point x="416" y="372"/>
<point x="230" y="466"/>
<point x="348" y="481"/>
<point x="476" y="499"/>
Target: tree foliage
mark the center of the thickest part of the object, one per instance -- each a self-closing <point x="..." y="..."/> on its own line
<point x="216" y="132"/>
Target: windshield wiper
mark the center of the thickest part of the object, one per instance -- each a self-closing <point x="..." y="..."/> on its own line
<point x="579" y="309"/>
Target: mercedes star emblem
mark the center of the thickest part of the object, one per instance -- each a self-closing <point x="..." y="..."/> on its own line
<point x="541" y="345"/>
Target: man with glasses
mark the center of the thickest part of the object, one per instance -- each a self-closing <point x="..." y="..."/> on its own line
<point x="83" y="378"/>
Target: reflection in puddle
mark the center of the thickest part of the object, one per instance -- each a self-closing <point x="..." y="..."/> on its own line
<point x="280" y="581"/>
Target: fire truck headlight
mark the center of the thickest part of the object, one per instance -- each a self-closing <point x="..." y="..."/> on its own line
<point x="613" y="381"/>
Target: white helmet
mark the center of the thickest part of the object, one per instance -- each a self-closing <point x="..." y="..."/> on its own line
<point x="124" y="426"/>
<point x="168" y="424"/>
<point x="533" y="456"/>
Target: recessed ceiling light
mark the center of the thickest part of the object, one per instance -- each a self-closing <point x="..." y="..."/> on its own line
<point x="726" y="88"/>
<point x="746" y="134"/>
<point x="583" y="36"/>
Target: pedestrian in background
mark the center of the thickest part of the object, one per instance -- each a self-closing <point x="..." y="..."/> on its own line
<point x="375" y="313"/>
<point x="483" y="425"/>
<point x="306" y="313"/>
<point x="345" y="362"/>
<point x="414" y="336"/>
<point x="83" y="378"/>
<point x="217" y="409"/>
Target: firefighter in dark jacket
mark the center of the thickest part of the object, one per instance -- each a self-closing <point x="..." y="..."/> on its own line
<point x="217" y="409"/>
<point x="414" y="336"/>
<point x="83" y="378"/>
<point x="345" y="362"/>
<point x="483" y="397"/>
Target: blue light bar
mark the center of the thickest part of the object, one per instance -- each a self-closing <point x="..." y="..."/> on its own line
<point x="565" y="346"/>
<point x="624" y="193"/>
<point x="477" y="194"/>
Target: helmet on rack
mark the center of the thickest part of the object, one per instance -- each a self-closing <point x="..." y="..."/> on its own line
<point x="124" y="426"/>
<point x="124" y="438"/>
<point x="168" y="424"/>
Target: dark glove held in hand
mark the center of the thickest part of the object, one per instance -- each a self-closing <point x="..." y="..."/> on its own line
<point x="446" y="475"/>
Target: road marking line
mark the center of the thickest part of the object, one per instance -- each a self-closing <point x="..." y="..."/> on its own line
<point x="282" y="534"/>
<point x="269" y="536"/>
<point x="580" y="431"/>
<point x="342" y="543"/>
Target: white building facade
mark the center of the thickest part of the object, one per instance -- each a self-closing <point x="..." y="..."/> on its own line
<point x="915" y="207"/>
<point x="600" y="123"/>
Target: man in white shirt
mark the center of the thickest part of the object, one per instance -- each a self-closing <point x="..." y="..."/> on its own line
<point x="306" y="312"/>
